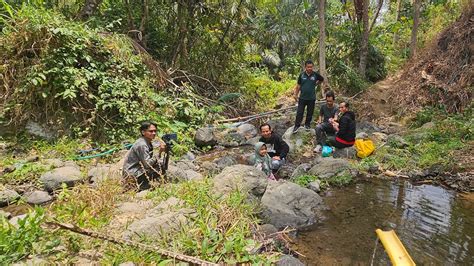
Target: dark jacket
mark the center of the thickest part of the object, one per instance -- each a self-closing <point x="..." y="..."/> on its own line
<point x="276" y="146"/>
<point x="347" y="128"/>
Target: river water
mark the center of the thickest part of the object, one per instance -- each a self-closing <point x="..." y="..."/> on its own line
<point x="435" y="225"/>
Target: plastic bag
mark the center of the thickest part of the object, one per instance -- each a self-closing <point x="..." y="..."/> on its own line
<point x="326" y="151"/>
<point x="364" y="147"/>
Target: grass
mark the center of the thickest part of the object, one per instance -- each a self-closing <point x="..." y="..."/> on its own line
<point x="438" y="145"/>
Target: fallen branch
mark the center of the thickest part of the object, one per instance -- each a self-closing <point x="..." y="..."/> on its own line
<point x="166" y="253"/>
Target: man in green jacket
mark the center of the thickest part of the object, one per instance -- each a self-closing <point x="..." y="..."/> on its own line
<point x="306" y="90"/>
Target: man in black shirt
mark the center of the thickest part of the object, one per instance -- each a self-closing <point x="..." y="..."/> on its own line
<point x="276" y="146"/>
<point x="326" y="114"/>
<point x="306" y="89"/>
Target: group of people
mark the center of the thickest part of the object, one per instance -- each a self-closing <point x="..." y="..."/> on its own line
<point x="335" y="127"/>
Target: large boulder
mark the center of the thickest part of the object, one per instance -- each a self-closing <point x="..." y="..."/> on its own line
<point x="245" y="178"/>
<point x="248" y="131"/>
<point x="230" y="138"/>
<point x="287" y="204"/>
<point x="225" y="161"/>
<point x="280" y="126"/>
<point x="300" y="141"/>
<point x="205" y="137"/>
<point x="68" y="175"/>
<point x="329" y="167"/>
<point x="8" y="196"/>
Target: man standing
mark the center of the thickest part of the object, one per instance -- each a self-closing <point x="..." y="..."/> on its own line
<point x="276" y="147"/>
<point x="327" y="114"/>
<point x="306" y="89"/>
<point x="140" y="162"/>
<point x="345" y="127"/>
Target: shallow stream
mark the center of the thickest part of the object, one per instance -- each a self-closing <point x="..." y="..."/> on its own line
<point x="435" y="225"/>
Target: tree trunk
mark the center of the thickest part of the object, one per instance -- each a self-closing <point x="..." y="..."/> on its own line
<point x="322" y="45"/>
<point x="399" y="9"/>
<point x="89" y="8"/>
<point x="180" y="47"/>
<point x="379" y="7"/>
<point x="364" y="43"/>
<point x="414" y="32"/>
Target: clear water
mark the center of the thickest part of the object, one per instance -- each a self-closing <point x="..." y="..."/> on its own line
<point x="435" y="225"/>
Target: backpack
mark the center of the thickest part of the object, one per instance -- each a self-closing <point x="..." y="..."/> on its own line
<point x="364" y="147"/>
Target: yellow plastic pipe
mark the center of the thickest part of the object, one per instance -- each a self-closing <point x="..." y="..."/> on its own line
<point x="394" y="248"/>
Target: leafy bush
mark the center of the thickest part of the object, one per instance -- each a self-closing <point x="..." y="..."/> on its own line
<point x="18" y="242"/>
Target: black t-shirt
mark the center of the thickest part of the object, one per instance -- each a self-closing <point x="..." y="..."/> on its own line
<point x="327" y="112"/>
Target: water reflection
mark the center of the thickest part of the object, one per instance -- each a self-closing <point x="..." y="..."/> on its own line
<point x="434" y="224"/>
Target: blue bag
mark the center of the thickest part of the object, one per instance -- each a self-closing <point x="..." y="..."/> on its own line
<point x="326" y="152"/>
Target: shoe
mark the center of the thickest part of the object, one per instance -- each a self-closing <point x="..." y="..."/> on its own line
<point x="318" y="148"/>
<point x="295" y="129"/>
<point x="307" y="127"/>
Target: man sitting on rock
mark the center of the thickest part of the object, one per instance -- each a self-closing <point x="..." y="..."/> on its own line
<point x="140" y="163"/>
<point x="277" y="148"/>
<point x="345" y="127"/>
<point x="327" y="113"/>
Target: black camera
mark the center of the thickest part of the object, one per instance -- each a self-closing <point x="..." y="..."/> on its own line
<point x="169" y="138"/>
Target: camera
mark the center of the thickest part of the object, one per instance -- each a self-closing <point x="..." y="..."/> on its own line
<point x="169" y="138"/>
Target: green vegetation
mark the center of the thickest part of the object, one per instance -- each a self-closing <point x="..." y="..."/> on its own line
<point x="438" y="145"/>
<point x="304" y="180"/>
<point x="342" y="179"/>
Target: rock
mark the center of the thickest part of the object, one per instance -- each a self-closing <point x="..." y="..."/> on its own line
<point x="127" y="263"/>
<point x="287" y="204"/>
<point x="397" y="141"/>
<point x="365" y="126"/>
<point x="248" y="131"/>
<point x="315" y="186"/>
<point x="37" y="197"/>
<point x="279" y="126"/>
<point x="176" y="173"/>
<point x="362" y="135"/>
<point x="205" y="137"/>
<point x="379" y="137"/>
<point x="142" y="194"/>
<point x="38" y="130"/>
<point x="193" y="175"/>
<point x="374" y="169"/>
<point x="347" y="153"/>
<point x="210" y="168"/>
<point x="5" y="214"/>
<point x="328" y="167"/>
<point x="163" y="218"/>
<point x="225" y="161"/>
<point x="251" y="159"/>
<point x="299" y="140"/>
<point x="286" y="170"/>
<point x="428" y="125"/>
<point x="33" y="158"/>
<point x="267" y="230"/>
<point x="14" y="221"/>
<point x="68" y="175"/>
<point x="287" y="260"/>
<point x="300" y="170"/>
<point x="189" y="156"/>
<point x="253" y="141"/>
<point x="100" y="173"/>
<point x="393" y="128"/>
<point x="185" y="165"/>
<point x="230" y="139"/>
<point x="54" y="163"/>
<point x="246" y="178"/>
<point x="133" y="208"/>
<point x="8" y="196"/>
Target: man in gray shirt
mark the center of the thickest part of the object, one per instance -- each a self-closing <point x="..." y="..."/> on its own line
<point x="327" y="113"/>
<point x="140" y="162"/>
